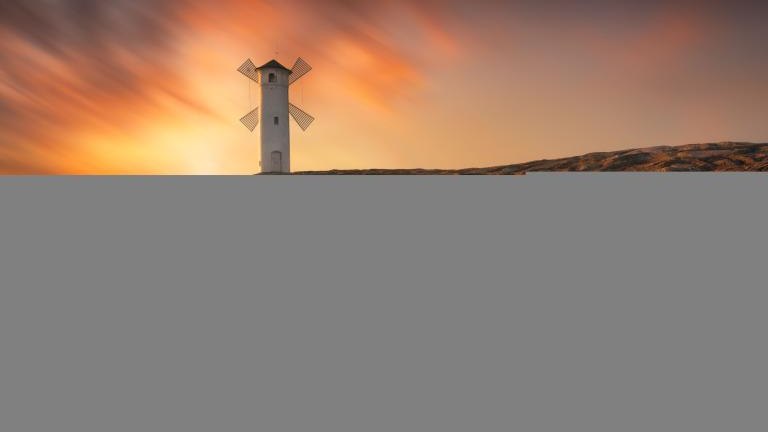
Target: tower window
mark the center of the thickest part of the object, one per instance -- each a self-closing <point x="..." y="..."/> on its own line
<point x="272" y="78"/>
<point x="277" y="121"/>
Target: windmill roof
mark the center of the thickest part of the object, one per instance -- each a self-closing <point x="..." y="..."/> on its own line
<point x="273" y="64"/>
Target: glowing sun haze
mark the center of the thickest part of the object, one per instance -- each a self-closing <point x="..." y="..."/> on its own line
<point x="150" y="86"/>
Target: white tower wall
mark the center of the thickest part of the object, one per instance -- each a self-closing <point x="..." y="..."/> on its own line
<point x="275" y="134"/>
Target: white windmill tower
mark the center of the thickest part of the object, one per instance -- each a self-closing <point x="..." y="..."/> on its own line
<point x="274" y="80"/>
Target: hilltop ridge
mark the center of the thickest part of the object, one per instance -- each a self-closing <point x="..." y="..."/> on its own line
<point x="712" y="157"/>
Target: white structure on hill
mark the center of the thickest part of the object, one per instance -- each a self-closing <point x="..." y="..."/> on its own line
<point x="272" y="114"/>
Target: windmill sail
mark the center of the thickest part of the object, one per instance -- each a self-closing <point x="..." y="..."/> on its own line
<point x="249" y="69"/>
<point x="251" y="120"/>
<point x="299" y="69"/>
<point x="303" y="119"/>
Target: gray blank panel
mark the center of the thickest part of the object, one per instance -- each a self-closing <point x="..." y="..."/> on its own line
<point x="541" y="303"/>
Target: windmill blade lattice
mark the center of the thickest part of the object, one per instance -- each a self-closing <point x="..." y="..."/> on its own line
<point x="303" y="119"/>
<point x="251" y="120"/>
<point x="299" y="69"/>
<point x="249" y="69"/>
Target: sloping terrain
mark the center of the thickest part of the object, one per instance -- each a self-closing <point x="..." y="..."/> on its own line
<point x="716" y="157"/>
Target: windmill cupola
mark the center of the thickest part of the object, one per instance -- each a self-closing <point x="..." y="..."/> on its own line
<point x="273" y="64"/>
<point x="274" y="73"/>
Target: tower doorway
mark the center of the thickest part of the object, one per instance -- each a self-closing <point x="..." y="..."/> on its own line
<point x="277" y="161"/>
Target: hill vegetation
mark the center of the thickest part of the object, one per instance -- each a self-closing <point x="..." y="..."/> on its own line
<point x="715" y="157"/>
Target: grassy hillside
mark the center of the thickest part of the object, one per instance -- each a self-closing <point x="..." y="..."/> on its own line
<point x="717" y="157"/>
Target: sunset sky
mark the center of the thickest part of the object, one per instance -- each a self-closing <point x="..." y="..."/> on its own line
<point x="151" y="87"/>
